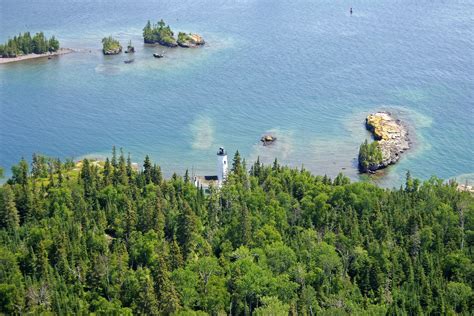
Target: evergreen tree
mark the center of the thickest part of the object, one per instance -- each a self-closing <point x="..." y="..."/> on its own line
<point x="107" y="172"/>
<point x="9" y="217"/>
<point x="187" y="227"/>
<point x="168" y="297"/>
<point x="147" y="169"/>
<point x="237" y="164"/>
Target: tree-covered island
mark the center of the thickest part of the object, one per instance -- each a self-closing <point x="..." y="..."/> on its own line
<point x="103" y="238"/>
<point x="162" y="34"/>
<point x="111" y="46"/>
<point x="159" y="33"/>
<point x="25" y="44"/>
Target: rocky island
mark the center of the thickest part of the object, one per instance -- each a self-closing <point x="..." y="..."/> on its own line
<point x="111" y="46"/>
<point x="190" y="40"/>
<point x="162" y="34"/>
<point x="391" y="140"/>
<point x="268" y="139"/>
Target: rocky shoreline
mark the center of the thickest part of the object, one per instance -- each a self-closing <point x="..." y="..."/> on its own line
<point x="392" y="137"/>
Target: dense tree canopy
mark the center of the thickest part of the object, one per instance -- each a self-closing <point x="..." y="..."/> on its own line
<point x="370" y="155"/>
<point x="158" y="33"/>
<point x="101" y="237"/>
<point x="110" y="44"/>
<point x="24" y="44"/>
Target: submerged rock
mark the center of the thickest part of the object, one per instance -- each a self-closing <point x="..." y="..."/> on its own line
<point x="190" y="40"/>
<point x="392" y="138"/>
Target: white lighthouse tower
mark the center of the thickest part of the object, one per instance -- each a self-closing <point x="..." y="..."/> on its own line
<point x="222" y="165"/>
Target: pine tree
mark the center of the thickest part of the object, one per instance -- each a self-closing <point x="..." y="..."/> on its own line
<point x="130" y="218"/>
<point x="167" y="296"/>
<point x="122" y="177"/>
<point x="10" y="217"/>
<point x="156" y="175"/>
<point x="87" y="178"/>
<point x="107" y="173"/>
<point x="186" y="176"/>
<point x="146" y="302"/>
<point x="129" y="168"/>
<point x="176" y="258"/>
<point x="147" y="169"/>
<point x="245" y="225"/>
<point x="20" y="173"/>
<point x="187" y="227"/>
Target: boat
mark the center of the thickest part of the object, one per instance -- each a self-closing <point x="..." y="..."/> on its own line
<point x="156" y="55"/>
<point x="129" y="61"/>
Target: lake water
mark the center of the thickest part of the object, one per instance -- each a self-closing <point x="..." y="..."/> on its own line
<point x="305" y="70"/>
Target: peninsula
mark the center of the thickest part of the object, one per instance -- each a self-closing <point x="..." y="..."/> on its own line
<point x="391" y="140"/>
<point x="24" y="47"/>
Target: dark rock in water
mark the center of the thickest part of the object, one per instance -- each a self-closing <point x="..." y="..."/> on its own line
<point x="171" y="43"/>
<point x="268" y="139"/>
<point x="129" y="61"/>
<point x="392" y="137"/>
<point x="156" y="55"/>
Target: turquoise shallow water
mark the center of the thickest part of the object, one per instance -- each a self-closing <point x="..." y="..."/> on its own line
<point x="304" y="70"/>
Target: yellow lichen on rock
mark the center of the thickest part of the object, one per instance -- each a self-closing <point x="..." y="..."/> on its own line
<point x="196" y="39"/>
<point x="383" y="126"/>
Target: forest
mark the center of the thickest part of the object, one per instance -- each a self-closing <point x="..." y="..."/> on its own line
<point x="25" y="44"/>
<point x="106" y="238"/>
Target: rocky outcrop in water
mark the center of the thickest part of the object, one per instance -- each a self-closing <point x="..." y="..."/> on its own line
<point x="268" y="139"/>
<point x="190" y="40"/>
<point x="391" y="136"/>
<point x="114" y="51"/>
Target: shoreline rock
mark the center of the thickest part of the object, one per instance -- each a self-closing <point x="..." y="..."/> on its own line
<point x="391" y="136"/>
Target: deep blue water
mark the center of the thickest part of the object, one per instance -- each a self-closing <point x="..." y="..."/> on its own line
<point x="304" y="69"/>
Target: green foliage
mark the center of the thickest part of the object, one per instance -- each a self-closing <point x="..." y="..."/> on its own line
<point x="272" y="307"/>
<point x="370" y="155"/>
<point x="104" y="239"/>
<point x="183" y="37"/>
<point x="24" y="44"/>
<point x="158" y="33"/>
<point x="109" y="44"/>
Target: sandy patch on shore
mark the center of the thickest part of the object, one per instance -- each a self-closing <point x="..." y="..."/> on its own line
<point x="61" y="51"/>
